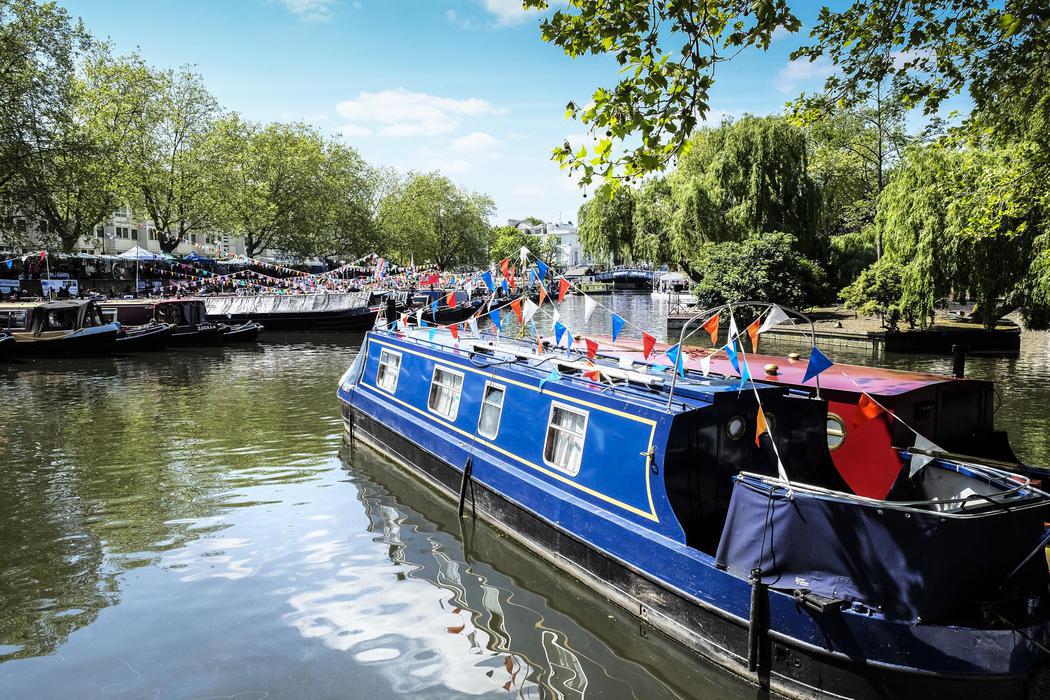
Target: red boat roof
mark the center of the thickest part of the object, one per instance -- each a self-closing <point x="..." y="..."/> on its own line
<point x="841" y="377"/>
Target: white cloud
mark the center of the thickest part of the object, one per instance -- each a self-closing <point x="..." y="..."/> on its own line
<point x="311" y="10"/>
<point x="401" y="113"/>
<point x="353" y="130"/>
<point x="506" y="11"/>
<point x="792" y="76"/>
<point x="476" y="142"/>
<point x="453" y="167"/>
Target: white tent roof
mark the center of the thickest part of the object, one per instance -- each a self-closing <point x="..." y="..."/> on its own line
<point x="674" y="277"/>
<point x="138" y="253"/>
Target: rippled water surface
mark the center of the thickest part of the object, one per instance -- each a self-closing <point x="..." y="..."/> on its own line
<point x="189" y="525"/>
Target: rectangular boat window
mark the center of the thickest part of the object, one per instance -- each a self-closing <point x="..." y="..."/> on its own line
<point x="491" y="410"/>
<point x="445" y="390"/>
<point x="14" y="320"/>
<point x="566" y="430"/>
<point x="389" y="369"/>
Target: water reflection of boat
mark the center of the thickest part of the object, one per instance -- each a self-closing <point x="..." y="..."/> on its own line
<point x="57" y="328"/>
<point x="779" y="573"/>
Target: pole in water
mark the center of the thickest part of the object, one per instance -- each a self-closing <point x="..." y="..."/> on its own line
<point x="468" y="469"/>
<point x="959" y="360"/>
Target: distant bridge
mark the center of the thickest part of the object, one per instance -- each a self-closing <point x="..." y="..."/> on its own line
<point x="628" y="277"/>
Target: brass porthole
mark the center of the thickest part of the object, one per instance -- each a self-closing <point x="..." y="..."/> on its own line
<point x="836" y="431"/>
<point x="735" y="427"/>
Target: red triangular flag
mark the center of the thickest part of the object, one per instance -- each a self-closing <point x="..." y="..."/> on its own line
<point x="563" y="286"/>
<point x="516" y="306"/>
<point x="760" y="424"/>
<point x="455" y="331"/>
<point x="513" y="274"/>
<point x="867" y="408"/>
<point x="451" y="299"/>
<point x="648" y="343"/>
<point x="594" y="375"/>
<point x="43" y="254"/>
<point x="504" y="266"/>
<point x="592" y="348"/>
<point x="752" y="331"/>
<point x="543" y="294"/>
<point x="711" y="326"/>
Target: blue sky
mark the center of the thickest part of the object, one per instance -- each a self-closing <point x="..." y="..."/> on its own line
<point x="466" y="87"/>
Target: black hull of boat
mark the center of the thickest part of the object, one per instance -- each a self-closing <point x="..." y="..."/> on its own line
<point x="7" y="345"/>
<point x="243" y="333"/>
<point x="446" y="317"/>
<point x="787" y="668"/>
<point x="145" y="339"/>
<point x="91" y="345"/>
<point x="353" y="320"/>
<point x="194" y="336"/>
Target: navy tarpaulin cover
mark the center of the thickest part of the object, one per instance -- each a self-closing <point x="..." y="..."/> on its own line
<point x="910" y="565"/>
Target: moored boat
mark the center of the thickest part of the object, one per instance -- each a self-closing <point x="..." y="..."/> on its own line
<point x="322" y="311"/>
<point x="744" y="545"/>
<point x="192" y="327"/>
<point x="6" y="342"/>
<point x="147" y="338"/>
<point x="57" y="328"/>
<point x="241" y="333"/>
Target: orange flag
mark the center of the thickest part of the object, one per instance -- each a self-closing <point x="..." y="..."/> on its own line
<point x="516" y="306"/>
<point x="563" y="286"/>
<point x="513" y="274"/>
<point x="648" y="343"/>
<point x="711" y="326"/>
<point x="543" y="294"/>
<point x="752" y="331"/>
<point x="867" y="408"/>
<point x="451" y="299"/>
<point x="760" y="424"/>
<point x="455" y="331"/>
<point x="594" y="375"/>
<point x="592" y="348"/>
<point x="504" y="266"/>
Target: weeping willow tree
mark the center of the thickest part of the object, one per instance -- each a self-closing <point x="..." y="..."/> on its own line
<point x="743" y="178"/>
<point x="964" y="221"/>
<point x="607" y="224"/>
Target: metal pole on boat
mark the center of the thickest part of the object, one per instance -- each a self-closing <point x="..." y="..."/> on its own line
<point x="755" y="621"/>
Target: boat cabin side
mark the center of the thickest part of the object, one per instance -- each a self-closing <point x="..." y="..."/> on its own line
<point x="50" y="316"/>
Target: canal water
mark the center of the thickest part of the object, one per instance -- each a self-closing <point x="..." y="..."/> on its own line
<point x="189" y="524"/>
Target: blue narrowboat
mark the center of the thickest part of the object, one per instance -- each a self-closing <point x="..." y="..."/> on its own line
<point x="743" y="544"/>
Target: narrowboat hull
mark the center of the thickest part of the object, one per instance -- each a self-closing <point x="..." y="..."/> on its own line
<point x="145" y="338"/>
<point x="347" y="320"/>
<point x="789" y="667"/>
<point x="196" y="336"/>
<point x="243" y="333"/>
<point x="6" y="344"/>
<point x="87" y="342"/>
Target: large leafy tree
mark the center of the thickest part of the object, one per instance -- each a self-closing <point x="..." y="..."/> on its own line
<point x="428" y="219"/>
<point x="273" y="192"/>
<point x="81" y="179"/>
<point x="965" y="221"/>
<point x="353" y="190"/>
<point x="606" y="225"/>
<point x="172" y="166"/>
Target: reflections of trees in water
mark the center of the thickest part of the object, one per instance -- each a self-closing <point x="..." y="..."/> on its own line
<point x="108" y="463"/>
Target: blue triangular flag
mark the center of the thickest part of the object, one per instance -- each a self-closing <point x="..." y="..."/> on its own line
<point x="568" y="341"/>
<point x="532" y="276"/>
<point x="9" y="264"/>
<point x="745" y="376"/>
<point x="617" y="326"/>
<point x="542" y="267"/>
<point x="486" y="277"/>
<point x="506" y="289"/>
<point x="496" y="321"/>
<point x="674" y="352"/>
<point x="431" y="333"/>
<point x="731" y="352"/>
<point x="552" y="377"/>
<point x="434" y="309"/>
<point x="532" y="323"/>
<point x="559" y="331"/>
<point x="818" y="362"/>
<point x="423" y="324"/>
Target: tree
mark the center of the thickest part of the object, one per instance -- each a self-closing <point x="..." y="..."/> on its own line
<point x="507" y="242"/>
<point x="653" y="213"/>
<point x="877" y="290"/>
<point x="964" y="221"/>
<point x="428" y="219"/>
<point x="273" y="191"/>
<point x="79" y="180"/>
<point x="607" y="225"/>
<point x="762" y="267"/>
<point x="171" y="164"/>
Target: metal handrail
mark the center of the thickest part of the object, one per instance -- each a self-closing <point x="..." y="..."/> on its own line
<point x="707" y="313"/>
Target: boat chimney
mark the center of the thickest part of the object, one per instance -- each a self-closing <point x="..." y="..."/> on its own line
<point x="959" y="361"/>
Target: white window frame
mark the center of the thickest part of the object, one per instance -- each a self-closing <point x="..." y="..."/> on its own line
<point x="481" y="412"/>
<point x="571" y="471"/>
<point x="383" y="353"/>
<point x="458" y="395"/>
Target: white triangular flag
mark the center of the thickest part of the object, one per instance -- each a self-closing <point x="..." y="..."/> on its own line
<point x="733" y="332"/>
<point x="919" y="461"/>
<point x="529" y="311"/>
<point x="705" y="365"/>
<point x="419" y="316"/>
<point x="524" y="255"/>
<point x="775" y="317"/>
<point x="589" y="305"/>
<point x="555" y="318"/>
<point x="473" y="323"/>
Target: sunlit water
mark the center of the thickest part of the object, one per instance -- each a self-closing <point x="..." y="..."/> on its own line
<point x="189" y="524"/>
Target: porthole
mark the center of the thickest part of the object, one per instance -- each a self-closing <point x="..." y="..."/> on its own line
<point x="836" y="431"/>
<point x="735" y="427"/>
